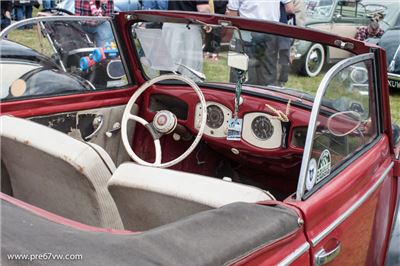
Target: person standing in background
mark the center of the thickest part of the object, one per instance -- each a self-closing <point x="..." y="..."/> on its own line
<point x="371" y="31"/>
<point x="213" y="39"/>
<point x="261" y="48"/>
<point x="299" y="9"/>
<point x="48" y="4"/>
<point x="23" y="10"/>
<point x="6" y="9"/>
<point x="102" y="32"/>
<point x="155" y="4"/>
<point x="284" y="43"/>
<point x="190" y="5"/>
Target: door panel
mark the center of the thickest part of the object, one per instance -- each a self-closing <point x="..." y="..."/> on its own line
<point x="291" y="250"/>
<point x="103" y="122"/>
<point x="346" y="179"/>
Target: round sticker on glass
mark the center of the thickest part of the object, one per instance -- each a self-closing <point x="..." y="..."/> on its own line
<point x="311" y="174"/>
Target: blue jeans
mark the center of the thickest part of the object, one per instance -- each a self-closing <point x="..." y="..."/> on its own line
<point x="155" y="4"/>
<point x="22" y="12"/>
<point x="102" y="33"/>
<point x="48" y="4"/>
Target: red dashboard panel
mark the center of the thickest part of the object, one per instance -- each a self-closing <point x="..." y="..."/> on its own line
<point x="298" y="116"/>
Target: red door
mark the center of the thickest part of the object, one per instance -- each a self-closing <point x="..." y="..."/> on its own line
<point x="346" y="187"/>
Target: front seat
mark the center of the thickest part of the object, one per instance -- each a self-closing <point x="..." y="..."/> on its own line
<point x="58" y="173"/>
<point x="148" y="197"/>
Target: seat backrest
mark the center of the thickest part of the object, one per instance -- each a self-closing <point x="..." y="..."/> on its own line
<point x="58" y="173"/>
<point x="148" y="197"/>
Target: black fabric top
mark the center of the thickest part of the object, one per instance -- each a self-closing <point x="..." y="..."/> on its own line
<point x="215" y="237"/>
<point x="184" y="5"/>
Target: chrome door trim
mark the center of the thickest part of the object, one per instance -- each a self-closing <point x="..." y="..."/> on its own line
<point x="314" y="115"/>
<point x="352" y="209"/>
<point x="295" y="254"/>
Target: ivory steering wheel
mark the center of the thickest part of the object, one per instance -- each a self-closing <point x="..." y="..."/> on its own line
<point x="164" y="122"/>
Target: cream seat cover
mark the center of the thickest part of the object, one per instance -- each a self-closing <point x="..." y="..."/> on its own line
<point x="148" y="197"/>
<point x="58" y="173"/>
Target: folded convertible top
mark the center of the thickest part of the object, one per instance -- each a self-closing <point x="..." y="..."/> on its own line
<point x="215" y="237"/>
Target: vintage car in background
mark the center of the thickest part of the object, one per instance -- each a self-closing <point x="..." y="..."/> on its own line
<point x="338" y="17"/>
<point x="306" y="173"/>
<point x="390" y="41"/>
<point x="25" y="72"/>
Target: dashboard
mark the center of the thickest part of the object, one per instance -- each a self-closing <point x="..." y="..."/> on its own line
<point x="258" y="129"/>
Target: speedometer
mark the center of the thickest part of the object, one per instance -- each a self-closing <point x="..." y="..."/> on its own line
<point x="262" y="127"/>
<point x="215" y="116"/>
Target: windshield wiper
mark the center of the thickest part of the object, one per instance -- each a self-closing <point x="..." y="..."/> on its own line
<point x="198" y="74"/>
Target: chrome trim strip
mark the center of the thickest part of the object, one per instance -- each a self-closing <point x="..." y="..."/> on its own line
<point x="393" y="76"/>
<point x="295" y="254"/>
<point x="314" y="115"/>
<point x="17" y="24"/>
<point x="352" y="209"/>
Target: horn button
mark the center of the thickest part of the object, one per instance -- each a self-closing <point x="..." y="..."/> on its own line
<point x="165" y="122"/>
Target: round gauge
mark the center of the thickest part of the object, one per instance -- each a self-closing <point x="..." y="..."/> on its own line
<point x="215" y="116"/>
<point x="262" y="127"/>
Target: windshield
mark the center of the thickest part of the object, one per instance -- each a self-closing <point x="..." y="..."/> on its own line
<point x="319" y="8"/>
<point x="205" y="53"/>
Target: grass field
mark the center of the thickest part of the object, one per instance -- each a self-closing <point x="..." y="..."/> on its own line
<point x="214" y="72"/>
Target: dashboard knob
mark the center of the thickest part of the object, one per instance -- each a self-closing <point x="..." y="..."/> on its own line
<point x="235" y="151"/>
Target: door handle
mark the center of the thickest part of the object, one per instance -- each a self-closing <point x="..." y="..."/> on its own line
<point x="323" y="256"/>
<point x="98" y="122"/>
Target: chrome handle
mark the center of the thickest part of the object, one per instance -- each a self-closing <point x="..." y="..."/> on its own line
<point x="116" y="127"/>
<point x="98" y="122"/>
<point x="323" y="257"/>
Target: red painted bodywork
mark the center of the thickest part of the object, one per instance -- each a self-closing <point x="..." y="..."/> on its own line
<point x="363" y="235"/>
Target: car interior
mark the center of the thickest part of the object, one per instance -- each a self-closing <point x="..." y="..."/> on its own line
<point x="79" y="164"/>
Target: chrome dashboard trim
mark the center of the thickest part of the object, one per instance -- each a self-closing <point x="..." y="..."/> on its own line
<point x="352" y="209"/>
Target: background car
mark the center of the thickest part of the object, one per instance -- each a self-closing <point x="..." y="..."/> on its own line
<point x="391" y="42"/>
<point x="339" y="17"/>
<point x="26" y="73"/>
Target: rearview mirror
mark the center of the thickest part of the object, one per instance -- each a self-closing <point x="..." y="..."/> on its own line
<point x="115" y="69"/>
<point x="238" y="60"/>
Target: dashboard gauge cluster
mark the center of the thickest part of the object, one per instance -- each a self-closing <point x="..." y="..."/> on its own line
<point x="218" y="116"/>
<point x="262" y="131"/>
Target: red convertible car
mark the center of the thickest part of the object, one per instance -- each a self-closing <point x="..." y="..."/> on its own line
<point x="163" y="156"/>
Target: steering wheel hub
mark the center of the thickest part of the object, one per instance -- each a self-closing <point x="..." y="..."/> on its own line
<point x="165" y="122"/>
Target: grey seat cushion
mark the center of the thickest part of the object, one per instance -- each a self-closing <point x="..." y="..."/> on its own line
<point x="58" y="173"/>
<point x="148" y="197"/>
